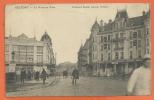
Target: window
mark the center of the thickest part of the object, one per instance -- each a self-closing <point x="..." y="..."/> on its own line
<point x="101" y="47"/>
<point x="135" y="43"/>
<point x="130" y="35"/>
<point x="139" y="43"/>
<point x="131" y="44"/>
<point x="116" y="55"/>
<point x="108" y="46"/>
<point x="93" y="56"/>
<point x="40" y="49"/>
<point x="116" y="45"/>
<point x="131" y="55"/>
<point x="116" y="25"/>
<point x="93" y="47"/>
<point x="16" y="48"/>
<point x="148" y="51"/>
<point x="147" y="31"/>
<point x="22" y="48"/>
<point x="39" y="59"/>
<point x="17" y="57"/>
<point x="101" y="57"/>
<point x="148" y="42"/>
<point x="23" y="57"/>
<point x="101" y="38"/>
<point x="121" y="35"/>
<point x="109" y="58"/>
<point x="134" y="34"/>
<point x="105" y="46"/>
<point x="93" y="39"/>
<point x="139" y="53"/>
<point x="121" y="24"/>
<point x="30" y="58"/>
<point x="109" y="37"/>
<point x="105" y="39"/>
<point x="122" y="55"/>
<point x="30" y="49"/>
<point x="121" y="44"/>
<point x="139" y="34"/>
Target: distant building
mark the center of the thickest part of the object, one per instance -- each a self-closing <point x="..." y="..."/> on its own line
<point x="117" y="47"/>
<point x="93" y="48"/>
<point x="28" y="53"/>
<point x="83" y="59"/>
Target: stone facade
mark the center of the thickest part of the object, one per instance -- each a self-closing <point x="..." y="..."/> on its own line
<point x="83" y="59"/>
<point x="29" y="53"/>
<point x="117" y="47"/>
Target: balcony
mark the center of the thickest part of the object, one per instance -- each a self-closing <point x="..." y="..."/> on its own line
<point x="119" y="48"/>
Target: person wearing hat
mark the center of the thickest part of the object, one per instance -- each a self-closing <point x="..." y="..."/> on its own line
<point x="140" y="80"/>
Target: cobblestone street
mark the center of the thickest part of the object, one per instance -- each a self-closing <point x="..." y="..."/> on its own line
<point x="86" y="86"/>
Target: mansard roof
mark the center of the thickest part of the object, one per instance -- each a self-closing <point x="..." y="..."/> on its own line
<point x="20" y="38"/>
<point x="95" y="25"/>
<point x="130" y="22"/>
<point x="86" y="45"/>
<point x="135" y="21"/>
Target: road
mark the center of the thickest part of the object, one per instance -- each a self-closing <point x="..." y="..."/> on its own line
<point x="86" y="86"/>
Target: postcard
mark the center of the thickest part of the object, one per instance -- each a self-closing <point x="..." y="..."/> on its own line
<point x="77" y="49"/>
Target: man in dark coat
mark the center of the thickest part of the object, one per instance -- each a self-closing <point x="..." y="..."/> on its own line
<point x="44" y="75"/>
<point x="37" y="75"/>
<point x="29" y="75"/>
<point x="23" y="75"/>
<point x="75" y="75"/>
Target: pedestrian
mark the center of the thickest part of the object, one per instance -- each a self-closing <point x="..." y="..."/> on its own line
<point x="29" y="75"/>
<point x="65" y="73"/>
<point x="23" y="75"/>
<point x="140" y="80"/>
<point x="75" y="75"/>
<point x="37" y="75"/>
<point x="44" y="75"/>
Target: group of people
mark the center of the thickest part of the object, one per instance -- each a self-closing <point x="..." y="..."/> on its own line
<point x="139" y="82"/>
<point x="75" y="75"/>
<point x="37" y="75"/>
<point x="65" y="74"/>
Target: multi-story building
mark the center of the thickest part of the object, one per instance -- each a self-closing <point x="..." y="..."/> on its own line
<point x="83" y="58"/>
<point x="93" y="48"/>
<point x="117" y="47"/>
<point x="29" y="53"/>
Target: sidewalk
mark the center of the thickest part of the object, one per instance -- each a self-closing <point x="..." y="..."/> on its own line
<point x="29" y="85"/>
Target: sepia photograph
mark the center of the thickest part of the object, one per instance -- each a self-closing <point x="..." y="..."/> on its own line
<point x="96" y="49"/>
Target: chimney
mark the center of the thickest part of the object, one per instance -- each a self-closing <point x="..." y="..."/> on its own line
<point x="143" y="13"/>
<point x="110" y="20"/>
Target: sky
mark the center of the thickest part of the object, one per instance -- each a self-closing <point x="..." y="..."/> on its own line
<point x="67" y="24"/>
